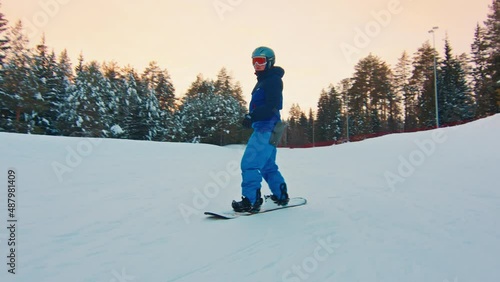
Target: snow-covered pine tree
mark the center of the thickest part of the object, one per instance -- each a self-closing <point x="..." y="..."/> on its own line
<point x="205" y="115"/>
<point x="130" y="108"/>
<point x="329" y="122"/>
<point x="138" y="109"/>
<point x="70" y="121"/>
<point x="6" y="112"/>
<point x="165" y="92"/>
<point x="159" y="84"/>
<point x="4" y="40"/>
<point x="159" y="80"/>
<point x="125" y="89"/>
<point x="224" y="86"/>
<point x="88" y="113"/>
<point x="152" y="115"/>
<point x="54" y="99"/>
<point x="20" y="87"/>
<point x="44" y="67"/>
<point x="113" y="99"/>
<point x="112" y="73"/>
<point x="65" y="78"/>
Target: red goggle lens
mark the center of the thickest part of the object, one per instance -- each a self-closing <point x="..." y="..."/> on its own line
<point x="259" y="60"/>
<point x="259" y="63"/>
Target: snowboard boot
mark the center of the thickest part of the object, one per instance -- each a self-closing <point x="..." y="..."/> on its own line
<point x="245" y="206"/>
<point x="283" y="199"/>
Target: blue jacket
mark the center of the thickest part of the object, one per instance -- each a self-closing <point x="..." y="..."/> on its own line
<point x="267" y="98"/>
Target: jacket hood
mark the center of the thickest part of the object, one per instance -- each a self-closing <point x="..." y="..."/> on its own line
<point x="274" y="71"/>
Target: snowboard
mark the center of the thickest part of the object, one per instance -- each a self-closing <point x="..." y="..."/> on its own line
<point x="267" y="206"/>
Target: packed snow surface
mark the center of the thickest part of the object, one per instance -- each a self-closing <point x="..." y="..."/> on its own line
<point x="413" y="207"/>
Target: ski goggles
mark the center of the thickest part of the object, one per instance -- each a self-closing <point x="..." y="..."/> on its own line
<point x="259" y="63"/>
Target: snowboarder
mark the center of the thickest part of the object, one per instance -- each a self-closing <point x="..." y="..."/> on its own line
<point x="259" y="158"/>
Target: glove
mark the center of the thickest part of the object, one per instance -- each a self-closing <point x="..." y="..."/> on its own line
<point x="247" y="121"/>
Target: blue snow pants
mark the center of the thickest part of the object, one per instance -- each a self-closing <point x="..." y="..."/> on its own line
<point x="259" y="161"/>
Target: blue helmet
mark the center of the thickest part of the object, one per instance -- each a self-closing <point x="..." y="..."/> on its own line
<point x="265" y="52"/>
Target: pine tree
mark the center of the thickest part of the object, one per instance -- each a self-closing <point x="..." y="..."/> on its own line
<point x="6" y="113"/>
<point x="126" y="115"/>
<point x="297" y="122"/>
<point x="422" y="84"/>
<point x="22" y="98"/>
<point x="64" y="77"/>
<point x="329" y="117"/>
<point x="54" y="99"/>
<point x="165" y="92"/>
<point x="389" y="104"/>
<point x="4" y="40"/>
<point x="152" y="115"/>
<point x="394" y="122"/>
<point x="206" y="116"/>
<point x="80" y="65"/>
<point x="141" y="107"/>
<point x="358" y="99"/>
<point x="303" y="125"/>
<point x="112" y="72"/>
<point x="311" y="130"/>
<point x="402" y="75"/>
<point x="455" y="100"/>
<point x="226" y="88"/>
<point x="343" y="89"/>
<point x="159" y="80"/>
<point x="323" y="117"/>
<point x="114" y="97"/>
<point x="480" y="76"/>
<point x="372" y="102"/>
<point x="492" y="36"/>
<point x="465" y="62"/>
<point x="44" y="67"/>
<point x="88" y="113"/>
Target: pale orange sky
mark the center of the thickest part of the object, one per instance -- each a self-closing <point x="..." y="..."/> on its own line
<point x="188" y="37"/>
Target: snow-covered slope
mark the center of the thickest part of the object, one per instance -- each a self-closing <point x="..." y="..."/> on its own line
<point x="417" y="207"/>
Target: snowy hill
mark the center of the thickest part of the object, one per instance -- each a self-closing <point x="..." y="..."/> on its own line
<point x="416" y="207"/>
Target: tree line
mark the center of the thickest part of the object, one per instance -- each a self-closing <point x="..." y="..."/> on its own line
<point x="380" y="99"/>
<point x="42" y="93"/>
